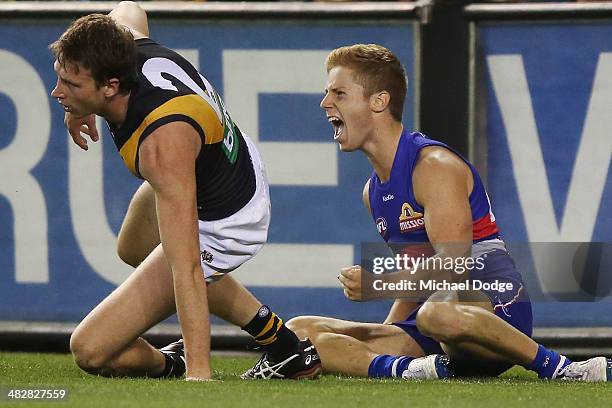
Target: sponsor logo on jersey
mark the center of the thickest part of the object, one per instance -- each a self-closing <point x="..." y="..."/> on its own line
<point x="206" y="256"/>
<point x="381" y="226"/>
<point x="388" y="197"/>
<point x="410" y="220"/>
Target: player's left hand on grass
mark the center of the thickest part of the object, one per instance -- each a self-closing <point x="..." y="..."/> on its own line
<point x="199" y="379"/>
<point x="198" y="375"/>
<point x="350" y="278"/>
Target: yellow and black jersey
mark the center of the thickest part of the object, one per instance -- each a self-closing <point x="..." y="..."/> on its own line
<point x="170" y="89"/>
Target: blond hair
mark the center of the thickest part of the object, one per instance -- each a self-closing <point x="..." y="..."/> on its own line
<point x="375" y="68"/>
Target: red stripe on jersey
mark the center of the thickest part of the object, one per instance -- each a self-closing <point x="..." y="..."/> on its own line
<point x="484" y="227"/>
<point x="414" y="249"/>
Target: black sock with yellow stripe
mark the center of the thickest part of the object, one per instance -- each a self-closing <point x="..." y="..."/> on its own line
<point x="270" y="332"/>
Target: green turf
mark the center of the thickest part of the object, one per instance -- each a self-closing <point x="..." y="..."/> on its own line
<point x="517" y="388"/>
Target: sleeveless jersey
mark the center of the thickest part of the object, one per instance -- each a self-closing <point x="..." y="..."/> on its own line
<point x="170" y="89"/>
<point x="399" y="218"/>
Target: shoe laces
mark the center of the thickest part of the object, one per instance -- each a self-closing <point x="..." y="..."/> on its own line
<point x="573" y="371"/>
<point x="265" y="369"/>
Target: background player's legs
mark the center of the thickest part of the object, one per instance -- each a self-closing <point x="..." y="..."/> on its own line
<point x="107" y="341"/>
<point x="349" y="347"/>
<point x="139" y="233"/>
<point x="470" y="331"/>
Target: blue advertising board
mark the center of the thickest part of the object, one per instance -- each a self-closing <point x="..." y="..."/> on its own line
<point x="549" y="149"/>
<point x="61" y="207"/>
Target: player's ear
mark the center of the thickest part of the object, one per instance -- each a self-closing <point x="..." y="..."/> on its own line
<point x="111" y="87"/>
<point x="379" y="101"/>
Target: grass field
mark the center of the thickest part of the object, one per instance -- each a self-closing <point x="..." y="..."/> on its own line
<point x="517" y="388"/>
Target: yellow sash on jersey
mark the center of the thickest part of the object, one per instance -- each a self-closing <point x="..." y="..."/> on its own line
<point x="192" y="106"/>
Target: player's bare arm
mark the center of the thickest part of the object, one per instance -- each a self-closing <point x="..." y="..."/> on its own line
<point x="442" y="184"/>
<point x="131" y="15"/>
<point x="167" y="162"/>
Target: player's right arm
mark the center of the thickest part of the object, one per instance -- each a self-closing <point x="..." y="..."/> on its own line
<point x="167" y="161"/>
<point x="400" y="308"/>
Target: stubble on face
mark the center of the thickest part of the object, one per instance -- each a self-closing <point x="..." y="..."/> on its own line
<point x="77" y="91"/>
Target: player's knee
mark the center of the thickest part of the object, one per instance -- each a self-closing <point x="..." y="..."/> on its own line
<point x="86" y="354"/>
<point x="321" y="339"/>
<point x="427" y="319"/>
<point x="446" y="322"/>
<point x="305" y="326"/>
<point x="126" y="252"/>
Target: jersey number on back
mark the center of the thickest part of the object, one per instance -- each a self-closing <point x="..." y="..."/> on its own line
<point x="153" y="69"/>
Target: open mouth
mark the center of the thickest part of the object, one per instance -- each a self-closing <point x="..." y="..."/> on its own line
<point x="65" y="107"/>
<point x="338" y="125"/>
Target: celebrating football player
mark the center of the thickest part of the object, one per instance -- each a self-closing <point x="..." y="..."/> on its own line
<point x="422" y="193"/>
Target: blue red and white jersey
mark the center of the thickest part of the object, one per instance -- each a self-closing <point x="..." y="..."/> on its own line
<point x="398" y="216"/>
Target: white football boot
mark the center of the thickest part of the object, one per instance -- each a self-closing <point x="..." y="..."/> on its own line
<point x="432" y="367"/>
<point x="597" y="369"/>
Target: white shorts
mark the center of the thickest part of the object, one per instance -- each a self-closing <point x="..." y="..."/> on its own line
<point x="227" y="243"/>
